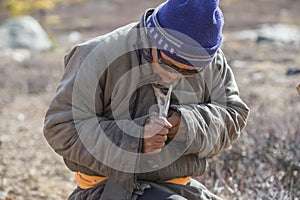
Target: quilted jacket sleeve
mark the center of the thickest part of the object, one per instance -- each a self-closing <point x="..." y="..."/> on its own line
<point x="76" y="131"/>
<point x="213" y="126"/>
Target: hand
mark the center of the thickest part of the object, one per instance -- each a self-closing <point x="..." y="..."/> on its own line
<point x="178" y="126"/>
<point x="155" y="134"/>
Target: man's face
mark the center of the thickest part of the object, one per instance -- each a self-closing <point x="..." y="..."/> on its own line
<point x="168" y="75"/>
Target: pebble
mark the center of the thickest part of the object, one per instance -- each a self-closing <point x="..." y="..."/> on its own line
<point x="4" y="195"/>
<point x="292" y="71"/>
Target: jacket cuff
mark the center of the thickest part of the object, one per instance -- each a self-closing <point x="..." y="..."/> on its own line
<point x="190" y="129"/>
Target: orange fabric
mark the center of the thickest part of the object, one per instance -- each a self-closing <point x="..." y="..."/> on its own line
<point x="85" y="181"/>
<point x="180" y="181"/>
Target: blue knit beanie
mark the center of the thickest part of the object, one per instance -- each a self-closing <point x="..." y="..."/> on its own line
<point x="188" y="31"/>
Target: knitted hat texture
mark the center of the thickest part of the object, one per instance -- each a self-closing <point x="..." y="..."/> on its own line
<point x="188" y="31"/>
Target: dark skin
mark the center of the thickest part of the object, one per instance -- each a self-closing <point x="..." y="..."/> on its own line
<point x="178" y="126"/>
<point x="158" y="130"/>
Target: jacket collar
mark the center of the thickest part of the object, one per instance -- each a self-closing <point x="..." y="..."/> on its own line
<point x="143" y="52"/>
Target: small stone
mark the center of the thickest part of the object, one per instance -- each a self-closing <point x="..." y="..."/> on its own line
<point x="21" y="116"/>
<point x="4" y="196"/>
<point x="74" y="37"/>
<point x="238" y="64"/>
<point x="292" y="71"/>
<point x="258" y="76"/>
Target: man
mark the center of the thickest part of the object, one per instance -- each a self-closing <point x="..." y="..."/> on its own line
<point x="138" y="110"/>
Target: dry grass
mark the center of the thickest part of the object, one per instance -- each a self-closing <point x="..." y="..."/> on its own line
<point x="263" y="164"/>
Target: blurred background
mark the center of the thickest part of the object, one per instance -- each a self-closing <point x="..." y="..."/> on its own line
<point x="262" y="44"/>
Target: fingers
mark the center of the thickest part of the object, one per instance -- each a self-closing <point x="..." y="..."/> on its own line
<point x="158" y="129"/>
<point x="152" y="128"/>
<point x="178" y="132"/>
<point x="159" y="139"/>
<point x="154" y="144"/>
<point x="174" y="118"/>
<point x="160" y="120"/>
<point x="155" y="134"/>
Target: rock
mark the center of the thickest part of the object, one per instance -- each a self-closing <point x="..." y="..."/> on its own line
<point x="245" y="35"/>
<point x="238" y="64"/>
<point x="18" y="55"/>
<point x="298" y="88"/>
<point x="258" y="76"/>
<point x="20" y="116"/>
<point x="286" y="34"/>
<point x="74" y="37"/>
<point x="292" y="71"/>
<point x="70" y="38"/>
<point x="271" y="33"/>
<point x="24" y="32"/>
<point x="4" y="196"/>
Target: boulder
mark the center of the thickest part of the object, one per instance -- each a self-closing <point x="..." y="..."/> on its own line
<point x="24" y="32"/>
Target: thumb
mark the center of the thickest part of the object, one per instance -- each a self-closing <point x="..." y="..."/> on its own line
<point x="161" y="121"/>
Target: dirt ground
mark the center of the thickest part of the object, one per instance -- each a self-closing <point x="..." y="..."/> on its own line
<point x="263" y="164"/>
